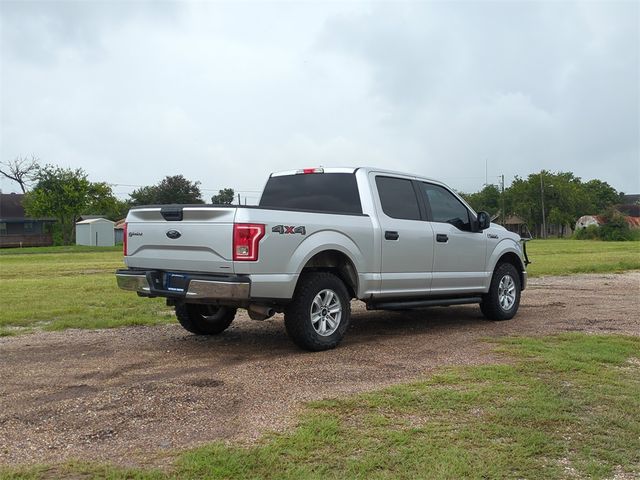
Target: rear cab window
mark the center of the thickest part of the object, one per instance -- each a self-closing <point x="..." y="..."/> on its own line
<point x="316" y="192"/>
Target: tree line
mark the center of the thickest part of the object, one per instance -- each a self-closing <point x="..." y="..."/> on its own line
<point x="546" y="198"/>
<point x="66" y="194"/>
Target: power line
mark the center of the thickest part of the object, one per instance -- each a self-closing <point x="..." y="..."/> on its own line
<point x="201" y="188"/>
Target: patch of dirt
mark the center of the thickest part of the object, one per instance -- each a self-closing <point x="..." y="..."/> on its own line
<point x="134" y="395"/>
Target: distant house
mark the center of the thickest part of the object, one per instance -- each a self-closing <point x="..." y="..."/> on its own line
<point x="588" y="220"/>
<point x="632" y="199"/>
<point x="95" y="232"/>
<point x="18" y="230"/>
<point x="597" y="220"/>
<point x="515" y="224"/>
<point x="630" y="205"/>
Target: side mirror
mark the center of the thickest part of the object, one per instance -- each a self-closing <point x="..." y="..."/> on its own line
<point x="484" y="221"/>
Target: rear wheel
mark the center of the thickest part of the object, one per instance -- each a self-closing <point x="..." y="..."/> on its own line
<point x="204" y="319"/>
<point x="503" y="299"/>
<point x="320" y="312"/>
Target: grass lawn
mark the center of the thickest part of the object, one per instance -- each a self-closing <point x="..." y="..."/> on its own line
<point x="65" y="249"/>
<point x="53" y="288"/>
<point x="565" y="407"/>
<point x="564" y="257"/>
<point x="69" y="287"/>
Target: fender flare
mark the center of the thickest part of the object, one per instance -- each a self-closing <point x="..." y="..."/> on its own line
<point x="323" y="241"/>
<point x="504" y="247"/>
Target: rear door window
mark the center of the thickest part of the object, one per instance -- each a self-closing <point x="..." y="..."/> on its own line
<point x="398" y="198"/>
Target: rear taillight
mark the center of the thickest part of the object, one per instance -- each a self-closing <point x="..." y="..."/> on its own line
<point x="246" y="241"/>
<point x="124" y="240"/>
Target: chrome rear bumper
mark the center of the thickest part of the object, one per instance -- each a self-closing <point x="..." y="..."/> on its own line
<point x="147" y="283"/>
<point x="136" y="283"/>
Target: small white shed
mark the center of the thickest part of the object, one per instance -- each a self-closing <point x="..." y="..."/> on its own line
<point x="95" y="232"/>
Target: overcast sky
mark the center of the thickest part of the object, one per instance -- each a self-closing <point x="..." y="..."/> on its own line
<point x="225" y="93"/>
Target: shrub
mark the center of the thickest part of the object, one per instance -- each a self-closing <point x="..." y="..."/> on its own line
<point x="592" y="232"/>
<point x="615" y="229"/>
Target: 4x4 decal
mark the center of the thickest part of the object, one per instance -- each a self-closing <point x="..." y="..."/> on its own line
<point x="286" y="229"/>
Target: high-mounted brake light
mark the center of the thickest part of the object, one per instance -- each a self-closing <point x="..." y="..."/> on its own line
<point x="310" y="170"/>
<point x="246" y="241"/>
<point x="124" y="239"/>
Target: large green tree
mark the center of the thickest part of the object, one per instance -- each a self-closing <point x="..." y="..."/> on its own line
<point x="224" y="197"/>
<point x="600" y="195"/>
<point x="565" y="197"/>
<point x="172" y="189"/>
<point x="101" y="201"/>
<point x="65" y="194"/>
<point x="487" y="199"/>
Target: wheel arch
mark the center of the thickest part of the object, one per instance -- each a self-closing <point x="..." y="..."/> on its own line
<point x="515" y="260"/>
<point x="336" y="262"/>
<point x="332" y="251"/>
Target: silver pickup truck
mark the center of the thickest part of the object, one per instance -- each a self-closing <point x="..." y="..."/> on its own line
<point x="319" y="238"/>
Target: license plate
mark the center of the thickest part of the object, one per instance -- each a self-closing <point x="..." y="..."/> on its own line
<point x="176" y="282"/>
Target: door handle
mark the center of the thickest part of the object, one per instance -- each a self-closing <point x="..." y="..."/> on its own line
<point x="389" y="235"/>
<point x="442" y="238"/>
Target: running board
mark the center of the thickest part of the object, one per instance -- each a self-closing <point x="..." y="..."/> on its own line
<point x="410" y="304"/>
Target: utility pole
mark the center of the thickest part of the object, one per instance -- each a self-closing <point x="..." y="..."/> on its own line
<point x="544" y="223"/>
<point x="486" y="169"/>
<point x="504" y="214"/>
<point x="239" y="201"/>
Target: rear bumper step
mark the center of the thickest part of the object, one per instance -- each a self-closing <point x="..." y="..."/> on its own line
<point x="195" y="287"/>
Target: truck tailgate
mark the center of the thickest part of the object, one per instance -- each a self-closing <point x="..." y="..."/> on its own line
<point x="174" y="238"/>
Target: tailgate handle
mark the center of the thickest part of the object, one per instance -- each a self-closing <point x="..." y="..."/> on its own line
<point x="171" y="214"/>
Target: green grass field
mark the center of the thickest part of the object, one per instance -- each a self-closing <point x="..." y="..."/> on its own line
<point x="74" y="287"/>
<point x="565" y="407"/>
<point x="69" y="287"/>
<point x="565" y="257"/>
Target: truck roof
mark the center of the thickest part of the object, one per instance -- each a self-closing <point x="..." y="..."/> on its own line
<point x="353" y="170"/>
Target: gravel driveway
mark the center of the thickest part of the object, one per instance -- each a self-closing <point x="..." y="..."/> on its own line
<point x="132" y="396"/>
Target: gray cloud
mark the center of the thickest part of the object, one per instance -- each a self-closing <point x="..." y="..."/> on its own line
<point x="527" y="86"/>
<point x="39" y="31"/>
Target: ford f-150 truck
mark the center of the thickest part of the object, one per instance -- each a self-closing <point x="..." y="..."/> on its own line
<point x="319" y="238"/>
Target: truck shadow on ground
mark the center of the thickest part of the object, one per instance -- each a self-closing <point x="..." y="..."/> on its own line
<point x="268" y="337"/>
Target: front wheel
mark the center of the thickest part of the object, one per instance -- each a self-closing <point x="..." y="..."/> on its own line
<point x="204" y="319"/>
<point x="503" y="299"/>
<point x="320" y="312"/>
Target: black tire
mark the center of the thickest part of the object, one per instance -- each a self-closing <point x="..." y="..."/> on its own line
<point x="311" y="319"/>
<point x="503" y="299"/>
<point x="204" y="319"/>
